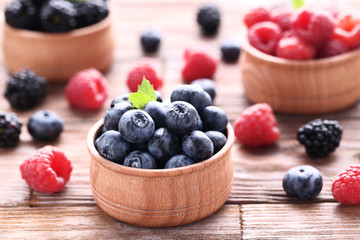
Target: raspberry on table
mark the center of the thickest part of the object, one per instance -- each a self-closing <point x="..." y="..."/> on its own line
<point x="256" y="126"/>
<point x="198" y="64"/>
<point x="256" y="15"/>
<point x="333" y="47"/>
<point x="87" y="90"/>
<point x="295" y="49"/>
<point x="10" y="129"/>
<point x="209" y="17"/>
<point x="348" y="31"/>
<point x="48" y="170"/>
<point x="25" y="90"/>
<point x="346" y="186"/>
<point x="58" y="16"/>
<point x="265" y="36"/>
<point x="21" y="14"/>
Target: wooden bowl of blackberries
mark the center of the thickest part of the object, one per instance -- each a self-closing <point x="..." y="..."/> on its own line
<point x="164" y="165"/>
<point x="57" y="38"/>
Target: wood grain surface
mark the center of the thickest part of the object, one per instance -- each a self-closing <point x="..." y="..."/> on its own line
<point x="257" y="207"/>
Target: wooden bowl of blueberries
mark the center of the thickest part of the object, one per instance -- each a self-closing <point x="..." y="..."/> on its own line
<point x="303" y="62"/>
<point x="57" y="38"/>
<point x="164" y="165"/>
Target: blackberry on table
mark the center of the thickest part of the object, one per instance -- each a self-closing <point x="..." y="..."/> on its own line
<point x="25" y="90"/>
<point x="21" y="14"/>
<point x="10" y="129"/>
<point x="320" y="137"/>
<point x="58" y="16"/>
<point x="208" y="17"/>
<point x="90" y="12"/>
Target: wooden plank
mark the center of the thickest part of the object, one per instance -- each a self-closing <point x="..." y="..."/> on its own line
<point x="300" y="221"/>
<point x="92" y="223"/>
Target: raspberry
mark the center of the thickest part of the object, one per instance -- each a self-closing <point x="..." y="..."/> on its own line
<point x="198" y="64"/>
<point x="294" y="48"/>
<point x="265" y="36"/>
<point x="256" y="126"/>
<point x="143" y="68"/>
<point x="10" y="129"/>
<point x="87" y="90"/>
<point x="346" y="186"/>
<point x="208" y="17"/>
<point x="256" y="15"/>
<point x="313" y="26"/>
<point x="48" y="170"/>
<point x="348" y="31"/>
<point x="282" y="16"/>
<point x="332" y="48"/>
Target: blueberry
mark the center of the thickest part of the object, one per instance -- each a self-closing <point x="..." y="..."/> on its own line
<point x="142" y="146"/>
<point x="157" y="111"/>
<point x="150" y="41"/>
<point x="158" y="96"/>
<point x="112" y="146"/>
<point x="217" y="138"/>
<point x="230" y="51"/>
<point x="214" y="118"/>
<point x="121" y="98"/>
<point x="45" y="125"/>
<point x="136" y="126"/>
<point x="181" y="117"/>
<point x="197" y="146"/>
<point x="140" y="159"/>
<point x="180" y="160"/>
<point x="208" y="85"/>
<point x="163" y="145"/>
<point x="193" y="94"/>
<point x="303" y="182"/>
<point x="113" y="115"/>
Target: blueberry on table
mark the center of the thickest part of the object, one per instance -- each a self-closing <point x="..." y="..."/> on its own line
<point x="197" y="145"/>
<point x="21" y="14"/>
<point x="218" y="139"/>
<point x="157" y="111"/>
<point x="150" y="41"/>
<point x="208" y="17"/>
<point x="193" y="94"/>
<point x="181" y="117"/>
<point x="180" y="160"/>
<point x="303" y="182"/>
<point x="163" y="145"/>
<point x="208" y="85"/>
<point x="45" y="125"/>
<point x="214" y="118"/>
<point x="112" y="115"/>
<point x="230" y="51"/>
<point x="140" y="159"/>
<point x="112" y="146"/>
<point x="121" y="98"/>
<point x="58" y="16"/>
<point x="136" y="126"/>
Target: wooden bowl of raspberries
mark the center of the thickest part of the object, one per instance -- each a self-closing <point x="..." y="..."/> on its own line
<point x="166" y="165"/>
<point x="57" y="38"/>
<point x="301" y="62"/>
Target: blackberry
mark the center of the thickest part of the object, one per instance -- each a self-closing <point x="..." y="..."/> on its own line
<point x="21" y="14"/>
<point x="320" y="137"/>
<point x="208" y="17"/>
<point x="25" y="90"/>
<point x="90" y="12"/>
<point x="58" y="16"/>
<point x="10" y="129"/>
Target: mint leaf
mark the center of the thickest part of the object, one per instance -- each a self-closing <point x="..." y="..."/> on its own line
<point x="144" y="94"/>
<point x="298" y="3"/>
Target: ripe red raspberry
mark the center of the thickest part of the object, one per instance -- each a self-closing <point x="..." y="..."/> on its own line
<point x="48" y="170"/>
<point x="348" y="31"/>
<point x="282" y="17"/>
<point x="333" y="47"/>
<point x="295" y="49"/>
<point x="143" y="68"/>
<point x="256" y="15"/>
<point x="256" y="126"/>
<point x="198" y="64"/>
<point x="265" y="36"/>
<point x="313" y="26"/>
<point x="87" y="90"/>
<point x="346" y="186"/>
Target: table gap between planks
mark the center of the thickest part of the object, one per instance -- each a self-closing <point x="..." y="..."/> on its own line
<point x="257" y="207"/>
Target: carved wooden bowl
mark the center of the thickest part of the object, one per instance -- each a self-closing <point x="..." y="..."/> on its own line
<point x="161" y="197"/>
<point x="58" y="56"/>
<point x="301" y="87"/>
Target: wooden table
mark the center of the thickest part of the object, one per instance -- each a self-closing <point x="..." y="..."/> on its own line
<point x="257" y="207"/>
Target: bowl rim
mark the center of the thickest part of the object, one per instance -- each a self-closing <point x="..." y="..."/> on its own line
<point x="312" y="63"/>
<point x="72" y="33"/>
<point x="155" y="173"/>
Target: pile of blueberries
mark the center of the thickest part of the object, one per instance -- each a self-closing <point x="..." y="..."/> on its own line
<point x="55" y="15"/>
<point x="164" y="134"/>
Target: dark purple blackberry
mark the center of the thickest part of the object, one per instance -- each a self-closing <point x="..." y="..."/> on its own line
<point x="25" y="90"/>
<point x="58" y="16"/>
<point x="21" y="14"/>
<point x="90" y="12"/>
<point x="10" y="129"/>
<point x="320" y="137"/>
<point x="208" y="17"/>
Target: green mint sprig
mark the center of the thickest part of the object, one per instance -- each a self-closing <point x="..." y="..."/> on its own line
<point x="298" y="3"/>
<point x="145" y="94"/>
